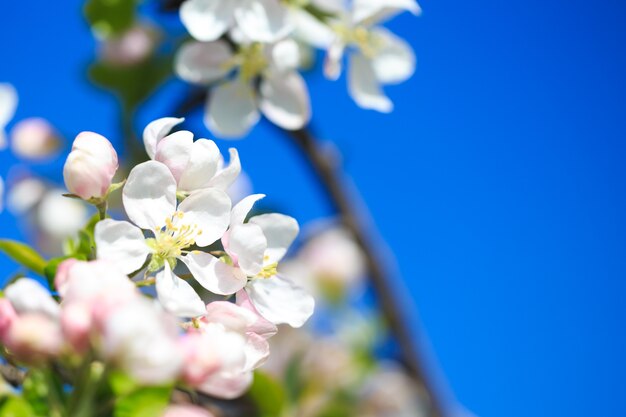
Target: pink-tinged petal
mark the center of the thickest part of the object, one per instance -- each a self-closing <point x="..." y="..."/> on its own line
<point x="8" y="316"/>
<point x="227" y="386"/>
<point x="186" y="411"/>
<point x="261" y="326"/>
<point x="29" y="296"/>
<point x="201" y="167"/>
<point x="149" y="195"/>
<point x="213" y="274"/>
<point x="203" y="62"/>
<point x="247" y="245"/>
<point x="363" y="85"/>
<point x="241" y="209"/>
<point x="120" y="243"/>
<point x="157" y="130"/>
<point x="176" y="295"/>
<point x="174" y="151"/>
<point x="230" y="315"/>
<point x="285" y="99"/>
<point x="263" y="20"/>
<point x="208" y="211"/>
<point x="227" y="176"/>
<point x="280" y="301"/>
<point x="374" y="11"/>
<point x="257" y="351"/>
<point x="231" y="109"/>
<point x="280" y="231"/>
<point x="207" y="20"/>
<point x="394" y="61"/>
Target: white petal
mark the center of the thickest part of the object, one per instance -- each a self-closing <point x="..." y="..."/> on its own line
<point x="263" y="20"/>
<point x="176" y="295"/>
<point x="310" y="30"/>
<point x="121" y="243"/>
<point x="213" y="274"/>
<point x="227" y="386"/>
<point x="8" y="103"/>
<point x="281" y="301"/>
<point x="29" y="296"/>
<point x="332" y="62"/>
<point x="157" y="130"/>
<point x="374" y="11"/>
<point x="232" y="110"/>
<point x="207" y="20"/>
<point x="175" y="152"/>
<point x="363" y="85"/>
<point x="257" y="351"/>
<point x="247" y="245"/>
<point x="261" y="326"/>
<point x="209" y="211"/>
<point x="394" y="61"/>
<point x="280" y="231"/>
<point x="203" y="62"/>
<point x="285" y="55"/>
<point x="227" y="176"/>
<point x="240" y="211"/>
<point x="149" y="195"/>
<point x="285" y="100"/>
<point x="201" y="167"/>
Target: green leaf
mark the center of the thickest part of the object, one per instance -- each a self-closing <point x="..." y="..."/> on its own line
<point x="24" y="255"/>
<point x="143" y="402"/>
<point x="110" y="17"/>
<point x="268" y="395"/>
<point x="13" y="406"/>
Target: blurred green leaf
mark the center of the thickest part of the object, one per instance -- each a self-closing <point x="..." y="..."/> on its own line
<point x="110" y="17"/>
<point x="268" y="395"/>
<point x="24" y="255"/>
<point x="13" y="406"/>
<point x="143" y="402"/>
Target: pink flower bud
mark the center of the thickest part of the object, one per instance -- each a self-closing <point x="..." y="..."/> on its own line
<point x="186" y="411"/>
<point x="34" y="138"/>
<point x="131" y="47"/>
<point x="7" y="317"/>
<point x="76" y="322"/>
<point x="90" y="166"/>
<point x="200" y="360"/>
<point x="34" y="337"/>
<point x="62" y="276"/>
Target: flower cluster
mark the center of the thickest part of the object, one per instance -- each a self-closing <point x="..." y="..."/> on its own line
<point x="185" y="292"/>
<point x="250" y="52"/>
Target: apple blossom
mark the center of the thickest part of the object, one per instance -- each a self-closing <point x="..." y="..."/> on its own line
<point x="7" y="316"/>
<point x="29" y="296"/>
<point x="60" y="217"/>
<point x="90" y="166"/>
<point x="25" y="194"/>
<point x="8" y="104"/>
<point x="260" y="20"/>
<point x="186" y="411"/>
<point x="149" y="198"/>
<point x="129" y="48"/>
<point x="233" y="106"/>
<point x="34" y="138"/>
<point x="33" y="337"/>
<point x="194" y="165"/>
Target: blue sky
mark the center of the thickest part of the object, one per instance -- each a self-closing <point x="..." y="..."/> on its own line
<point x="498" y="181"/>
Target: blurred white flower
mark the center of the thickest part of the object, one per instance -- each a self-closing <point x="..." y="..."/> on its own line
<point x="194" y="165"/>
<point x="34" y="138"/>
<point x="131" y="47"/>
<point x="29" y="296"/>
<point x="259" y="20"/>
<point x="8" y="104"/>
<point x="149" y="198"/>
<point x="24" y="195"/>
<point x="233" y="106"/>
<point x="376" y="56"/>
<point x="60" y="217"/>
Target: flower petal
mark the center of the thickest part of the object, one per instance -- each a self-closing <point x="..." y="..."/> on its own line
<point x="157" y="130"/>
<point x="257" y="351"/>
<point x="213" y="274"/>
<point x="311" y="30"/>
<point x="227" y="176"/>
<point x="121" y="243"/>
<point x="285" y="99"/>
<point x="209" y="211"/>
<point x="261" y="326"/>
<point x="201" y="166"/>
<point x="363" y="85"/>
<point x="240" y="211"/>
<point x="175" y="152"/>
<point x="280" y="231"/>
<point x="226" y="385"/>
<point x="263" y="20"/>
<point x="247" y="245"/>
<point x="176" y="295"/>
<point x="8" y="103"/>
<point x="332" y="62"/>
<point x="207" y="20"/>
<point x="29" y="296"/>
<point x="281" y="301"/>
<point x="202" y="62"/>
<point x="394" y="61"/>
<point x="375" y="11"/>
<point x="149" y="195"/>
<point x="232" y="110"/>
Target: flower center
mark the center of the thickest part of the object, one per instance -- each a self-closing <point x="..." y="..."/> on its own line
<point x="252" y="61"/>
<point x="359" y="37"/>
<point x="170" y="242"/>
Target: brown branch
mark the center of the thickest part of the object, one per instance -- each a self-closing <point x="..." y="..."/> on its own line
<point x="333" y="184"/>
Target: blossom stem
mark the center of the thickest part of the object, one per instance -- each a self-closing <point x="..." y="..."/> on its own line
<point x="102" y="209"/>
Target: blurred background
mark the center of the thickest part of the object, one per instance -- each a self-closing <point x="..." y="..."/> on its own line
<point x="497" y="182"/>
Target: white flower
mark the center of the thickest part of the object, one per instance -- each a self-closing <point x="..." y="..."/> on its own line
<point x="34" y="138"/>
<point x="29" y="296"/>
<point x="194" y="165"/>
<point x="149" y="199"/>
<point x="8" y="104"/>
<point x="60" y="217"/>
<point x="377" y="56"/>
<point x="25" y="194"/>
<point x="233" y="106"/>
<point x="259" y="20"/>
